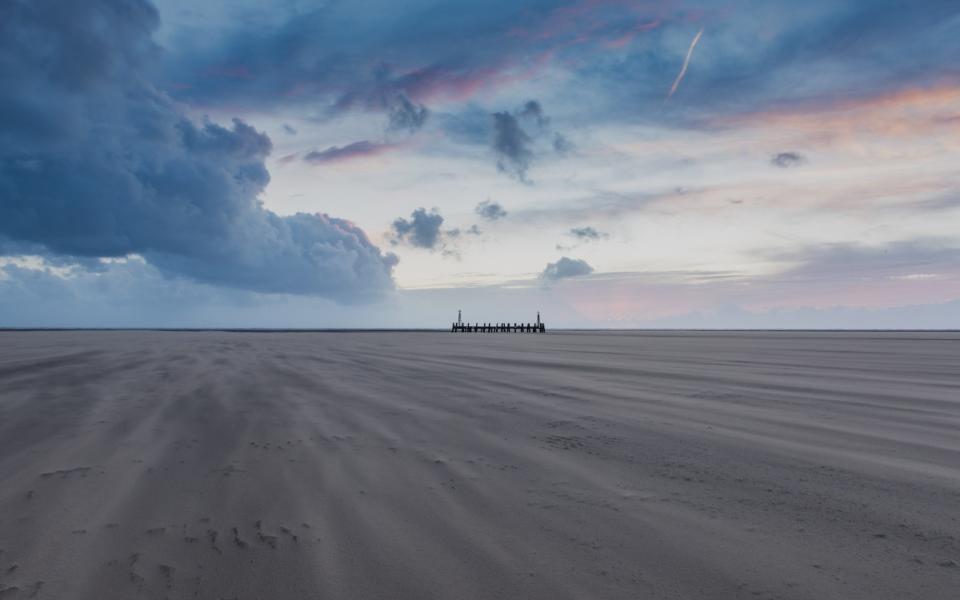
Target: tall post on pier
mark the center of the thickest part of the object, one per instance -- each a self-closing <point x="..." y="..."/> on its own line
<point x="459" y="317"/>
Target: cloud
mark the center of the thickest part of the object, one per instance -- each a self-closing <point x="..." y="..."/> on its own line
<point x="836" y="262"/>
<point x="785" y="160"/>
<point x="561" y="145"/>
<point x="335" y="53"/>
<point x="333" y="154"/>
<point x="96" y="162"/>
<point x="588" y="234"/>
<point x="491" y="211"/>
<point x="564" y="268"/>
<point x="132" y="293"/>
<point x="471" y="125"/>
<point x="533" y="112"/>
<point x="404" y="115"/>
<point x="512" y="146"/>
<point x="422" y="230"/>
<point x="519" y="136"/>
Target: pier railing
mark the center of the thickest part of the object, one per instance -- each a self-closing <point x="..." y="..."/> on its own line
<point x="498" y="328"/>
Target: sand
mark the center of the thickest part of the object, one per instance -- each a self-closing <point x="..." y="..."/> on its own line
<point x="432" y="465"/>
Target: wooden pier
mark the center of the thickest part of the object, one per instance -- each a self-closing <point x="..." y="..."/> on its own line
<point x="460" y="327"/>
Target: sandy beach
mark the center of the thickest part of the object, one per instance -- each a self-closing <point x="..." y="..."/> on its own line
<point x="226" y="465"/>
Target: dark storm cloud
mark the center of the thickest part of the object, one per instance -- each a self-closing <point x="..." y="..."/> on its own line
<point x="564" y="268"/>
<point x="490" y="211"/>
<point x="422" y="230"/>
<point x="95" y="162"/>
<point x="785" y="160"/>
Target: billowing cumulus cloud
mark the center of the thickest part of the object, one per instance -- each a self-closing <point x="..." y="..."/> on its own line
<point x="421" y="230"/>
<point x="564" y="268"/>
<point x="785" y="160"/>
<point x="491" y="211"/>
<point x="96" y="162"/>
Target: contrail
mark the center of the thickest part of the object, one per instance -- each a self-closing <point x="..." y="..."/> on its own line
<point x="686" y="63"/>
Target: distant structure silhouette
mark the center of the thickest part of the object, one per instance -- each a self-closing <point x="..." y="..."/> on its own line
<point x="460" y="327"/>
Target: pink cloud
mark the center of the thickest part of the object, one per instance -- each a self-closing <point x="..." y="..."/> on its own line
<point x="289" y="158"/>
<point x="900" y="113"/>
<point x="350" y="152"/>
<point x="586" y="22"/>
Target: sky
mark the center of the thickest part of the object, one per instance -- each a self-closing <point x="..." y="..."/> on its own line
<point x="372" y="163"/>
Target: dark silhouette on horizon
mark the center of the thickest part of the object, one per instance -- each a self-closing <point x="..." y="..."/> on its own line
<point x="460" y="327"/>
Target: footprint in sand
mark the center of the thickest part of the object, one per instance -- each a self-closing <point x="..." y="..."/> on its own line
<point x="212" y="536"/>
<point x="293" y="536"/>
<point x="237" y="539"/>
<point x="135" y="578"/>
<point x="270" y="540"/>
<point x="66" y="473"/>
<point x="167" y="572"/>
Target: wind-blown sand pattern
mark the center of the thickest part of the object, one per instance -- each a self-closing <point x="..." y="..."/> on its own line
<point x="421" y="465"/>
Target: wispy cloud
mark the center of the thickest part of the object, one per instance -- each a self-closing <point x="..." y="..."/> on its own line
<point x="785" y="160"/>
<point x="588" y="233"/>
<point x="334" y="154"/>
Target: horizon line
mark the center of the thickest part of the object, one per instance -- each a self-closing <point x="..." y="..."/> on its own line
<point x="445" y="330"/>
